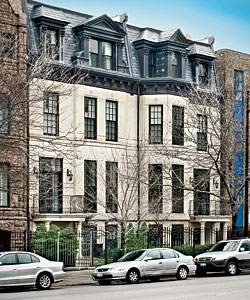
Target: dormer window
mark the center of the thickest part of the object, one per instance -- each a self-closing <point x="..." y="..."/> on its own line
<point x="51" y="36"/>
<point x="100" y="54"/>
<point x="101" y="42"/>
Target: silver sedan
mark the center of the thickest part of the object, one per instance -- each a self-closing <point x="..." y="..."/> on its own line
<point x="25" y="268"/>
<point x="146" y="263"/>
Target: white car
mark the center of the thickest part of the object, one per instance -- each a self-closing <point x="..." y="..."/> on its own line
<point x="146" y="263"/>
<point x="19" y="268"/>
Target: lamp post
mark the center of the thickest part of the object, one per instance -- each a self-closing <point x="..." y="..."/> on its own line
<point x="246" y="168"/>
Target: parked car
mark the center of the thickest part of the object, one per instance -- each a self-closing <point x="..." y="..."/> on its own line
<point x="146" y="263"/>
<point x="230" y="256"/>
<point x="24" y="268"/>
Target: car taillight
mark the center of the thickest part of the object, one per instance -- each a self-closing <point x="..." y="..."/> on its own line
<point x="63" y="267"/>
<point x="193" y="260"/>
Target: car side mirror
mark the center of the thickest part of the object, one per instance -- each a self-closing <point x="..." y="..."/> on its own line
<point x="148" y="258"/>
<point x="242" y="249"/>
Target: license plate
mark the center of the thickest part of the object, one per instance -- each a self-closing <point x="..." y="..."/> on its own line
<point x="203" y="264"/>
<point x="99" y="275"/>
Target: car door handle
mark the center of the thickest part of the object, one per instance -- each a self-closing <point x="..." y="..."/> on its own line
<point x="14" y="269"/>
<point x="177" y="261"/>
<point x="160" y="263"/>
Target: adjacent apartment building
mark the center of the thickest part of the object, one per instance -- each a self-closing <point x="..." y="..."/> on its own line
<point x="233" y="70"/>
<point x="115" y="135"/>
<point x="13" y="126"/>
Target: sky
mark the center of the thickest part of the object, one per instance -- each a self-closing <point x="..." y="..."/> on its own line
<point x="227" y="20"/>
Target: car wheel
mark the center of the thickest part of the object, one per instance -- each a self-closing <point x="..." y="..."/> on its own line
<point x="133" y="276"/>
<point x="182" y="273"/>
<point x="231" y="268"/>
<point x="44" y="281"/>
<point x="104" y="282"/>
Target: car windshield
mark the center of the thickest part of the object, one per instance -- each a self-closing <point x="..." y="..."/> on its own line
<point x="225" y="246"/>
<point x="132" y="256"/>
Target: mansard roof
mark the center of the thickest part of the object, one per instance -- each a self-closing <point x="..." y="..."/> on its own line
<point x="102" y="22"/>
<point x="117" y="30"/>
<point x="173" y="35"/>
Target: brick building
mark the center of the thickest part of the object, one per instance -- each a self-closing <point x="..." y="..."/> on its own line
<point x="13" y="125"/>
<point x="234" y="75"/>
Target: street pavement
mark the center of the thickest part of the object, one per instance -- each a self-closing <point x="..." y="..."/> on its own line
<point x="81" y="277"/>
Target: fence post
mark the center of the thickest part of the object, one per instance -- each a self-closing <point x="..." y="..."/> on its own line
<point x="58" y="246"/>
<point x="106" y="248"/>
<point x="91" y="248"/>
<point x="193" y="231"/>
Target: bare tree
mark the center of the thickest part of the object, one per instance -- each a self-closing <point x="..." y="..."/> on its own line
<point x="209" y="154"/>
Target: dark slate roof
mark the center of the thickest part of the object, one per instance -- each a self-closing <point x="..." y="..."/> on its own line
<point x="74" y="19"/>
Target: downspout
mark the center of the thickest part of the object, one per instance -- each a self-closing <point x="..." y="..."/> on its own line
<point x="124" y="26"/>
<point x="138" y="155"/>
<point x="24" y="7"/>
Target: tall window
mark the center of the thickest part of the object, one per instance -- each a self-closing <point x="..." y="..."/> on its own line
<point x="175" y="66"/>
<point x="50" y="185"/>
<point x="111" y="187"/>
<point x="51" y="114"/>
<point x="155" y="124"/>
<point x="156" y="64"/>
<point x="52" y="44"/>
<point x="100" y="54"/>
<point x="201" y="193"/>
<point x="4" y="185"/>
<point x="155" y="193"/>
<point x="111" y="121"/>
<point x="177" y="189"/>
<point x="90" y="185"/>
<point x="89" y="118"/>
<point x="203" y="74"/>
<point x="202" y="133"/>
<point x="7" y="45"/>
<point x="178" y="125"/>
<point x="4" y="115"/>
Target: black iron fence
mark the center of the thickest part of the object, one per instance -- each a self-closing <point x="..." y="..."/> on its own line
<point x="95" y="247"/>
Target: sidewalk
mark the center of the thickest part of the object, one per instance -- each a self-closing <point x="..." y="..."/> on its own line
<point x="81" y="277"/>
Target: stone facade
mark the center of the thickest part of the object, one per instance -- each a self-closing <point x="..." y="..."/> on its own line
<point x="13" y="137"/>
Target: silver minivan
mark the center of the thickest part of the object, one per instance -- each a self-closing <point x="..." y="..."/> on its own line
<point x="19" y="268"/>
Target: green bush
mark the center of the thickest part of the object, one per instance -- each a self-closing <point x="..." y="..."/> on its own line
<point x="190" y="250"/>
<point x="45" y="243"/>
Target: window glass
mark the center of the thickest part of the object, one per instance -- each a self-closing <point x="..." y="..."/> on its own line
<point x="155" y="124"/>
<point x="175" y="65"/>
<point x="50" y="185"/>
<point x="89" y="118"/>
<point x="106" y="48"/>
<point x="155" y="254"/>
<point x="169" y="254"/>
<point x="52" y="44"/>
<point x="24" y="258"/>
<point x="93" y="46"/>
<point x="4" y="185"/>
<point x="8" y="259"/>
<point x="35" y="259"/>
